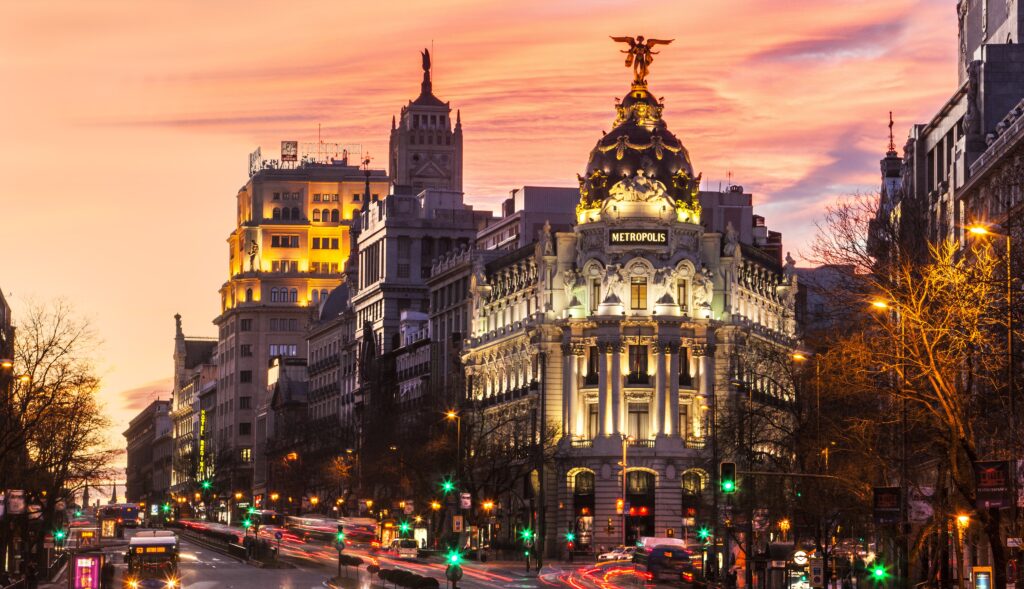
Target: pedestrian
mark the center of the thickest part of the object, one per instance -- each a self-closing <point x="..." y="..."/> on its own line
<point x="107" y="575"/>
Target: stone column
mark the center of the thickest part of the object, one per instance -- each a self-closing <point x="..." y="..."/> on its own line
<point x="568" y="380"/>
<point x="573" y="389"/>
<point x="706" y="384"/>
<point x="616" y="376"/>
<point x="579" y="418"/>
<point x="603" y="394"/>
<point x="673" y="392"/>
<point x="661" y="377"/>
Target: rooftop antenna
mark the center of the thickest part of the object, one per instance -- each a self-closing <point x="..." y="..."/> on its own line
<point x="728" y="178"/>
<point x="366" y="173"/>
<point x="892" y="143"/>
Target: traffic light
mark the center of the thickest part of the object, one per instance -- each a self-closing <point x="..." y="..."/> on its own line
<point x="404" y="527"/>
<point x="703" y="534"/>
<point x="527" y="536"/>
<point x="167" y="507"/>
<point x="453" y="558"/>
<point x="727" y="477"/>
<point x="570" y="537"/>
<point x="78" y="513"/>
<point x="620" y="506"/>
<point x="59" y="535"/>
<point x="447" y="485"/>
<point x="878" y="573"/>
<point x="206" y="485"/>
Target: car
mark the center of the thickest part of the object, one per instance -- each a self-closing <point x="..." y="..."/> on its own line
<point x="620" y="553"/>
<point x="671" y="561"/>
<point x="404" y="548"/>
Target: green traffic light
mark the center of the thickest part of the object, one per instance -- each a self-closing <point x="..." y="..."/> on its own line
<point x="447" y="486"/>
<point x="404" y="527"/>
<point x="570" y="537"/>
<point x="78" y="513"/>
<point x="526" y="534"/>
<point x="246" y="523"/>
<point x="59" y="535"/>
<point x="206" y="485"/>
<point x="341" y="537"/>
<point x="728" y="486"/>
<point x="454" y="558"/>
<point x="703" y="533"/>
<point x="878" y="573"/>
<point x="167" y="507"/>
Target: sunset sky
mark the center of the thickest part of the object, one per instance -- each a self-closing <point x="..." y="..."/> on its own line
<point x="127" y="125"/>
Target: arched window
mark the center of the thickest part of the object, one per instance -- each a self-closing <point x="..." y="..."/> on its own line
<point x="316" y="214"/>
<point x="277" y="213"/>
<point x="294" y="296"/>
<point x="273" y="295"/>
<point x="323" y="294"/>
<point x="693" y="483"/>
<point x="286" y="214"/>
<point x="248" y="295"/>
<point x="334" y="216"/>
<point x="295" y="214"/>
<point x="316" y="297"/>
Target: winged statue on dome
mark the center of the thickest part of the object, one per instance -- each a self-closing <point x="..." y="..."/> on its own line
<point x="640" y="55"/>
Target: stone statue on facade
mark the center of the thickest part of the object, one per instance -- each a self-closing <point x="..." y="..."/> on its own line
<point x="254" y="249"/>
<point x="732" y="240"/>
<point x="614" y="283"/>
<point x="703" y="288"/>
<point x="664" y="284"/>
<point x="790" y="268"/>
<point x="547" y="246"/>
<point x="640" y="54"/>
<point x="572" y="282"/>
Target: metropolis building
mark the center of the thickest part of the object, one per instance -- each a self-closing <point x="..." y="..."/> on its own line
<point x="619" y="337"/>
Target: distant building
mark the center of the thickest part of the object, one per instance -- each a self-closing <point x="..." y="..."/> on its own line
<point x="285" y="255"/>
<point x="194" y="368"/>
<point x="149" y="454"/>
<point x="941" y="156"/>
<point x="425" y="151"/>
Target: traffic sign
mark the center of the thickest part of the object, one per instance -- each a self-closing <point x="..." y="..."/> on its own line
<point x="465" y="501"/>
<point x="278" y="535"/>
<point x="457" y="524"/>
<point x="817" y="572"/>
<point x="800" y="558"/>
<point x="1014" y="542"/>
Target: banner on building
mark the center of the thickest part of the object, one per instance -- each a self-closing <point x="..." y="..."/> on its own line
<point x="255" y="162"/>
<point x="886" y="503"/>
<point x="289" y="151"/>
<point x="993" y="483"/>
<point x="15" y="502"/>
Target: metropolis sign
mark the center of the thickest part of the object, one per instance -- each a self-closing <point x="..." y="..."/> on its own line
<point x="636" y="237"/>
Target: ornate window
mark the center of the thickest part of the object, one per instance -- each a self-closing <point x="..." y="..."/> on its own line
<point x="277" y="213"/>
<point x="638" y="365"/>
<point x="638" y="293"/>
<point x="316" y="213"/>
<point x="334" y="216"/>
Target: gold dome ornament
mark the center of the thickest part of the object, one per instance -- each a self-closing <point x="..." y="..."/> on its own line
<point x="640" y="55"/>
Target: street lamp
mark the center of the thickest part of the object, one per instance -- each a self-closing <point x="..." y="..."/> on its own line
<point x="6" y="363"/>
<point x="801" y="357"/>
<point x="452" y="415"/>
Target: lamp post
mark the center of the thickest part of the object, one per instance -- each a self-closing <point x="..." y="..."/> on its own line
<point x="452" y="415"/>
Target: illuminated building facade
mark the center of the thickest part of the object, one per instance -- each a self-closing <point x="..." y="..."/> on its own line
<point x="619" y="334"/>
<point x="194" y="368"/>
<point x="286" y="253"/>
<point x="148" y="473"/>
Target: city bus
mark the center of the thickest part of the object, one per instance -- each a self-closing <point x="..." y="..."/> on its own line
<point x="152" y="560"/>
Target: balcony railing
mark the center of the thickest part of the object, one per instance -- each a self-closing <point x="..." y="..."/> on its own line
<point x="695" y="443"/>
<point x="644" y="443"/>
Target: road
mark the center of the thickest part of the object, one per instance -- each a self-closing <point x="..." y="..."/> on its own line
<point x="314" y="562"/>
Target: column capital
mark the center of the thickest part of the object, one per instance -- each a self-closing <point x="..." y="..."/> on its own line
<point x="667" y="346"/>
<point x="704" y="349"/>
<point x="610" y="346"/>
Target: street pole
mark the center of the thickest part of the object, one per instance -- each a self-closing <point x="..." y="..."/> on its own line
<point x="1010" y="374"/>
<point x="625" y="446"/>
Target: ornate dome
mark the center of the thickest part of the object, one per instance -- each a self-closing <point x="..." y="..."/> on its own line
<point x="639" y="150"/>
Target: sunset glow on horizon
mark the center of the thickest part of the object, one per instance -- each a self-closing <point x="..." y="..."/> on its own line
<point x="128" y="125"/>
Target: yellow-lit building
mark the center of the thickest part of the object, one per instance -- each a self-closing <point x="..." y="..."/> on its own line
<point x="287" y="252"/>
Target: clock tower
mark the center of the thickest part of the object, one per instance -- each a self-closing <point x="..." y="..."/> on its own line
<point x="425" y="150"/>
